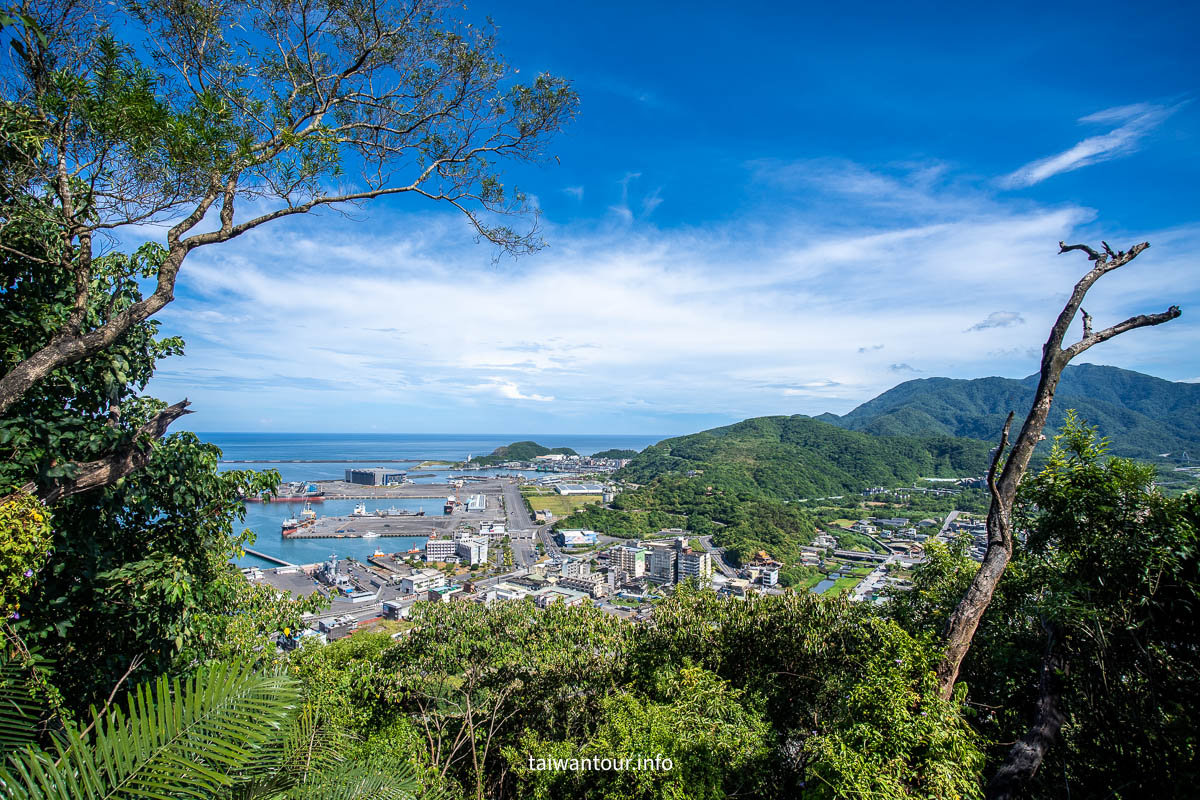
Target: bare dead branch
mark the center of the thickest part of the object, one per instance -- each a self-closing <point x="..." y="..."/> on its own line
<point x="964" y="621"/>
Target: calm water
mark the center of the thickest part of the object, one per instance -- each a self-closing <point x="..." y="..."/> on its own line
<point x="266" y="520"/>
<point x="330" y="455"/>
<point x="826" y="584"/>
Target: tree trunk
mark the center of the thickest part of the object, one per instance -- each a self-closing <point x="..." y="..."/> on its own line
<point x="1030" y="750"/>
<point x="961" y="627"/>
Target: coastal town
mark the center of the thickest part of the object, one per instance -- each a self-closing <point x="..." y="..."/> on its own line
<point x="494" y="535"/>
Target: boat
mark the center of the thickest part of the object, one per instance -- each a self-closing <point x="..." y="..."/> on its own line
<point x="360" y="510"/>
<point x="370" y="535"/>
<point x="400" y="512"/>
<point x="378" y="553"/>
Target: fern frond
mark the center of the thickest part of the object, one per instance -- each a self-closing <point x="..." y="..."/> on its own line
<point x="173" y="739"/>
<point x="18" y="710"/>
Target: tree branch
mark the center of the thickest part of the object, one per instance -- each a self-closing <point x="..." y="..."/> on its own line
<point x="103" y="472"/>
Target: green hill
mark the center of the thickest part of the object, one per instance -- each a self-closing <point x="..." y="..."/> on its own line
<point x="520" y="451"/>
<point x="1143" y="416"/>
<point x="616" y="453"/>
<point x="795" y="457"/>
<point x="739" y="483"/>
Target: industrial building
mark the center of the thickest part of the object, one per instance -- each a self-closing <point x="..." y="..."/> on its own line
<point x="579" y="488"/>
<point x="375" y="476"/>
<point x="576" y="538"/>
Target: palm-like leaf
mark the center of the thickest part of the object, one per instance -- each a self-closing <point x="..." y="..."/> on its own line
<point x="308" y="762"/>
<point x="18" y="710"/>
<point x="174" y="739"/>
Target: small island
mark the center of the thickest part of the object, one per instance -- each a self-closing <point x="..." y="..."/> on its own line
<point x="518" y="451"/>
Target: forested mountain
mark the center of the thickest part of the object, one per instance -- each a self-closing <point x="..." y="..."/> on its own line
<point x="798" y="456"/>
<point x="1142" y="416"/>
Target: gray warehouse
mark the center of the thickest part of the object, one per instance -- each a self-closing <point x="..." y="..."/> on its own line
<point x="376" y="476"/>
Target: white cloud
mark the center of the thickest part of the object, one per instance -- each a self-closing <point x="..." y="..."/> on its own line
<point x="1136" y="121"/>
<point x="404" y="323"/>
<point x="510" y="391"/>
<point x="998" y="319"/>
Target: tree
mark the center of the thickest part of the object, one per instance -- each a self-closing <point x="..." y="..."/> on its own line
<point x="1008" y="468"/>
<point x="1107" y="606"/>
<point x="252" y="113"/>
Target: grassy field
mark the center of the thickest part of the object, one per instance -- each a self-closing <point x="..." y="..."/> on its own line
<point x="557" y="504"/>
<point x="841" y="586"/>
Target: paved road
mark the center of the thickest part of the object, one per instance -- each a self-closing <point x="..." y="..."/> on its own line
<point x="521" y="529"/>
<point x="718" y="557"/>
<point x="514" y="508"/>
<point x="953" y="515"/>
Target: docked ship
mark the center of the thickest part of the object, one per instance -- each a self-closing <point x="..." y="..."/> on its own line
<point x="400" y="512"/>
<point x="449" y="507"/>
<point x="360" y="510"/>
<point x="370" y="535"/>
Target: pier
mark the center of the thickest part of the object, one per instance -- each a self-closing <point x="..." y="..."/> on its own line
<point x="266" y="557"/>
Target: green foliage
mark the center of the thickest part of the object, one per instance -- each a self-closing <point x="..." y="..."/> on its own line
<point x="797" y="457"/>
<point x="1108" y="573"/>
<point x="1112" y="568"/>
<point x="519" y="451"/>
<point x="25" y="538"/>
<point x="711" y="735"/>
<point x="741" y="483"/>
<point x="621" y="524"/>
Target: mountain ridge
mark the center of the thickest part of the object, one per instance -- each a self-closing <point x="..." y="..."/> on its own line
<point x="1143" y="416"/>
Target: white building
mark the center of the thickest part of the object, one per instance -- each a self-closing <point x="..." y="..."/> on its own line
<point x="579" y="488"/>
<point x="695" y="564"/>
<point x="506" y="591"/>
<point x="559" y="594"/>
<point x="440" y="549"/>
<point x="660" y="561"/>
<point x="422" y="580"/>
<point x="472" y="551"/>
<point x="592" y="584"/>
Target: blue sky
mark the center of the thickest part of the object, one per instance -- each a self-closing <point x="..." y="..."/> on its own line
<point x="760" y="210"/>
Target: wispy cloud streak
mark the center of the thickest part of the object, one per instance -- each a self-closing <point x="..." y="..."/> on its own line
<point x="1135" y="122"/>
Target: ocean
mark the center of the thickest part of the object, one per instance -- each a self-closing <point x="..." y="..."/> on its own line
<point x="316" y="456"/>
